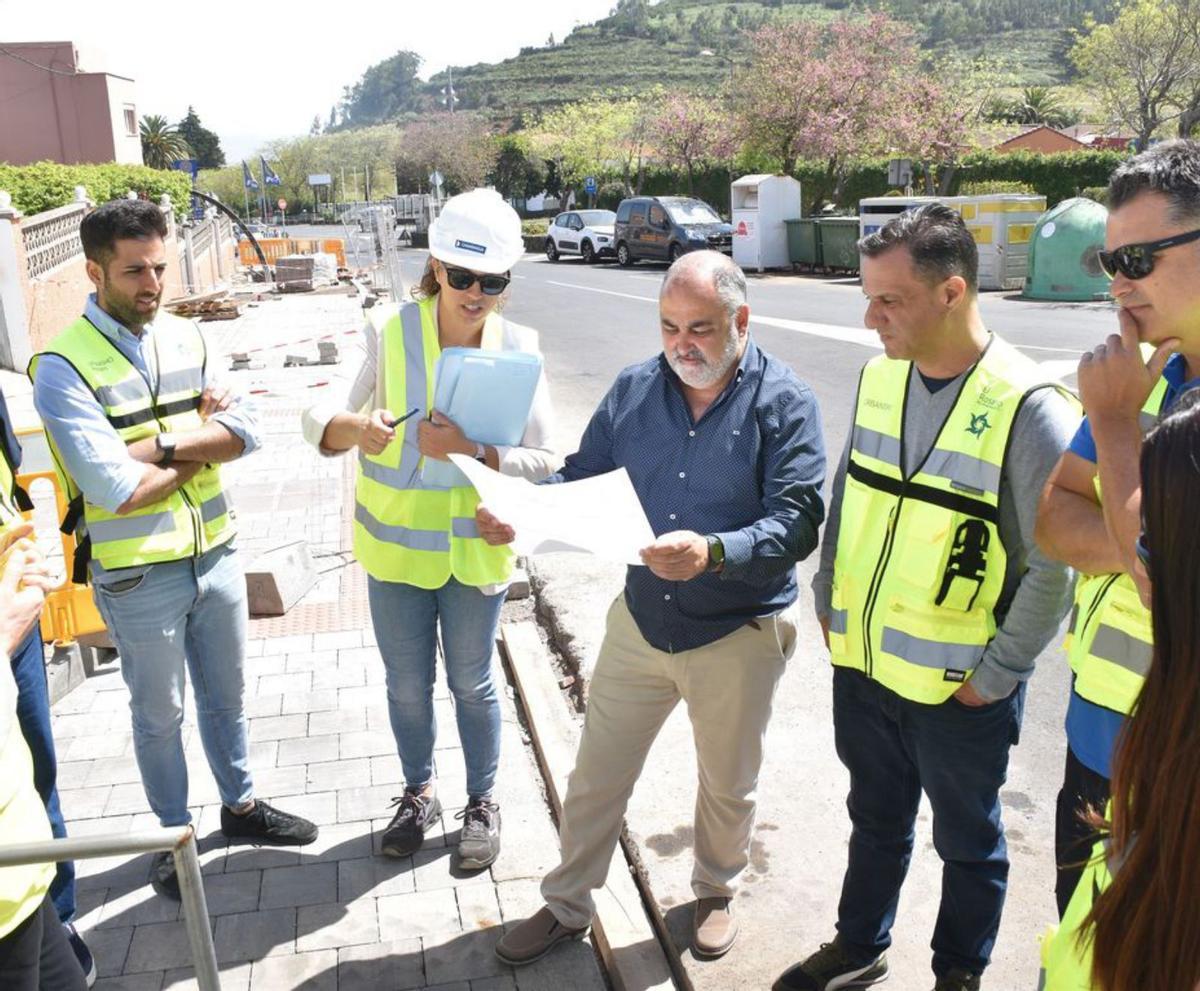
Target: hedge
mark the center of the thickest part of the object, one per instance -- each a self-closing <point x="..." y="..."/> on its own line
<point x="1057" y="177"/>
<point x="47" y="185"/>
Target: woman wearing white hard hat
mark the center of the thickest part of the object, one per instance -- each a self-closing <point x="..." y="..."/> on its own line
<point x="426" y="566"/>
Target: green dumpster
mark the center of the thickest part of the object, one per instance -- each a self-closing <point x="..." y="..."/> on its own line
<point x="1062" y="253"/>
<point x="803" y="246"/>
<point x="839" y="242"/>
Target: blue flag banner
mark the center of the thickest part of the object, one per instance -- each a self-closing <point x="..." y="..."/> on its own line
<point x="247" y="178"/>
<point x="269" y="177"/>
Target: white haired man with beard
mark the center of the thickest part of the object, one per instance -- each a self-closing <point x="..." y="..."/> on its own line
<point x="723" y="445"/>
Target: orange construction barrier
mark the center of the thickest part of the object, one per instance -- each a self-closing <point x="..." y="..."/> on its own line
<point x="275" y="248"/>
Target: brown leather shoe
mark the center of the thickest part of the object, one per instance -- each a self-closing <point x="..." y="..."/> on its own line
<point x="714" y="928"/>
<point x="534" y="938"/>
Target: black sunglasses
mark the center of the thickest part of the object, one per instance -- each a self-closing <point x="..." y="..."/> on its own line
<point x="463" y="278"/>
<point x="1142" y="551"/>
<point x="1136" y="261"/>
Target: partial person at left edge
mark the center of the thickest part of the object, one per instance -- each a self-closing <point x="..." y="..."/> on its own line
<point x="138" y="429"/>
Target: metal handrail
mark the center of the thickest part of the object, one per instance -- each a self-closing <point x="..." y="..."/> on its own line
<point x="180" y="841"/>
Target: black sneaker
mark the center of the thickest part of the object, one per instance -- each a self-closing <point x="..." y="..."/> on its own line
<point x="416" y="815"/>
<point x="266" y="825"/>
<point x="479" y="841"/>
<point x="162" y="876"/>
<point x="87" y="962"/>
<point x="833" y="968"/>
<point x="957" y="980"/>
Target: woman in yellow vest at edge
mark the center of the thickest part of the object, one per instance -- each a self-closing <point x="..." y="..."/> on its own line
<point x="34" y="952"/>
<point x="427" y="566"/>
<point x="1133" y="923"/>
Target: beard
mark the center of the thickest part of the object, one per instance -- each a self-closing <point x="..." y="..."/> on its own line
<point x="124" y="309"/>
<point x="706" y="373"/>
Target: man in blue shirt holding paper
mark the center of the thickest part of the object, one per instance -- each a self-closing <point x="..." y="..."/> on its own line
<point x="723" y="445"/>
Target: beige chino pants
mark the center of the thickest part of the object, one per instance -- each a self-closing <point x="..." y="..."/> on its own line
<point x="728" y="687"/>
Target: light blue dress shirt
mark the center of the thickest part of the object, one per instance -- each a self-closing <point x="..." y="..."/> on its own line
<point x="94" y="456"/>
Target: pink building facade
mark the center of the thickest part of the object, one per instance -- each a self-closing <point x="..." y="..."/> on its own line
<point x="53" y="109"/>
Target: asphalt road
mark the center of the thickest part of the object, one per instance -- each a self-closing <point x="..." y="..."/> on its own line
<point x="595" y="320"/>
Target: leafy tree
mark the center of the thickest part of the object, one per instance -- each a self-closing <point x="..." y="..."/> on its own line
<point x="386" y="90"/>
<point x="458" y="145"/>
<point x="315" y="128"/>
<point x="1145" y="66"/>
<point x="518" y="172"/>
<point x="162" y="144"/>
<point x="205" y="145"/>
<point x="690" y="131"/>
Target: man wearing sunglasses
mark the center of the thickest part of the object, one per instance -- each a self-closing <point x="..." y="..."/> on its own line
<point x="1153" y="259"/>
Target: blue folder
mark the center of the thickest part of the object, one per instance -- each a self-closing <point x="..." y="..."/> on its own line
<point x="489" y="395"/>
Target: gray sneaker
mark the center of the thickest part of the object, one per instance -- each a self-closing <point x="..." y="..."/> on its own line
<point x="957" y="980"/>
<point x="534" y="938"/>
<point x="479" y="841"/>
<point x="833" y="968"/>
<point x="415" y="816"/>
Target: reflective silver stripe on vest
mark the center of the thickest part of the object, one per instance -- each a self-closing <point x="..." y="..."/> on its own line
<point x="415" y="540"/>
<point x="130" y="527"/>
<point x="464" y="527"/>
<point x="1147" y="421"/>
<point x="931" y="653"/>
<point x="394" y="478"/>
<point x="214" y="508"/>
<point x="838" y="620"/>
<point x="1118" y="647"/>
<point x="1042" y="980"/>
<point x="877" y="445"/>
<point x="134" y="389"/>
<point x="970" y="473"/>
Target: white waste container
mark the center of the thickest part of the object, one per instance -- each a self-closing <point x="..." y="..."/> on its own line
<point x="761" y="204"/>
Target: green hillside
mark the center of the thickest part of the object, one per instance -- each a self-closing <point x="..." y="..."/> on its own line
<point x="642" y="44"/>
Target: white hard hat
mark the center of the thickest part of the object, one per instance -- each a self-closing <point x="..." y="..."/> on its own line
<point x="479" y="231"/>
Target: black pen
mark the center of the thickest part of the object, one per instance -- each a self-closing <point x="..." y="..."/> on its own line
<point x="412" y="412"/>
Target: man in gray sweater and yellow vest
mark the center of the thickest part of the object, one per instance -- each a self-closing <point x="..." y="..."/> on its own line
<point x="933" y="597"/>
<point x="1153" y="258"/>
<point x="137" y="431"/>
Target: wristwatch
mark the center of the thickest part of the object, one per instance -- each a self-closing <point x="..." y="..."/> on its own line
<point x="716" y="553"/>
<point x="480" y="453"/>
<point x="165" y="445"/>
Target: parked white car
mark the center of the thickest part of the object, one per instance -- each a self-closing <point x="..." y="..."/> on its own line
<point x="587" y="233"/>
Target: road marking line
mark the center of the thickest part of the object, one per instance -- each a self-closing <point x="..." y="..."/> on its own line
<point x="849" y="335"/>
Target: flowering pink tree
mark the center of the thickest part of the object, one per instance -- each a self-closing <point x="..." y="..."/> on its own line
<point x="688" y="131"/>
<point x="829" y="92"/>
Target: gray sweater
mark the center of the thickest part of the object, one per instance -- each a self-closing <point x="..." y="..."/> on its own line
<point x="1037" y="591"/>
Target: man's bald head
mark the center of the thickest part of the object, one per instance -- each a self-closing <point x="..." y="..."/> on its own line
<point x="708" y="271"/>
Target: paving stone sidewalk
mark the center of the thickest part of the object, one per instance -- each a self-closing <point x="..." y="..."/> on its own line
<point x="334" y="915"/>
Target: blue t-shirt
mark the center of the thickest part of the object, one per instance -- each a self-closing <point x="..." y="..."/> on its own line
<point x="1092" y="729"/>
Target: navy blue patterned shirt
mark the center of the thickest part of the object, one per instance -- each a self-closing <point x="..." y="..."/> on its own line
<point x="750" y="471"/>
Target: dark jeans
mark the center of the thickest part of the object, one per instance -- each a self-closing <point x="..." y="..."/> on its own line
<point x="33" y="712"/>
<point x="37" y="957"/>
<point x="1073" y="838"/>
<point x="958" y="755"/>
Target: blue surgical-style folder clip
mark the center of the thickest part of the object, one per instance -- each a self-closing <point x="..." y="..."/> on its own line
<point x="489" y="395"/>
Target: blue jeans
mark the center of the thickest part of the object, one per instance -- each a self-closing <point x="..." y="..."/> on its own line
<point x="406" y="620"/>
<point x="33" y="713"/>
<point x="894" y="748"/>
<point x="189" y="613"/>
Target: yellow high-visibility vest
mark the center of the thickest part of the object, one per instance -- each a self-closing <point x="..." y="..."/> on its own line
<point x="919" y="565"/>
<point x="406" y="530"/>
<point x="198" y="515"/>
<point x="1110" y="640"/>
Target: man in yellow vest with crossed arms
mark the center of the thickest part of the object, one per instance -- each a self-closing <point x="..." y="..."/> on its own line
<point x="933" y="597"/>
<point x="1154" y="263"/>
<point x="137" y="431"/>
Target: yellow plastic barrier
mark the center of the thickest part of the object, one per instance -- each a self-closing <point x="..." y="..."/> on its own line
<point x="275" y="248"/>
<point x="70" y="611"/>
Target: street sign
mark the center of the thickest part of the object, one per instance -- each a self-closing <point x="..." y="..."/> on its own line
<point x="282" y="203"/>
<point x="436" y="179"/>
<point x="321" y="179"/>
<point x="899" y="172"/>
<point x="189" y="165"/>
<point x="589" y="185"/>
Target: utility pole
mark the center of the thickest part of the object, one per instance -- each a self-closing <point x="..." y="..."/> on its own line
<point x="367" y="181"/>
<point x="448" y="96"/>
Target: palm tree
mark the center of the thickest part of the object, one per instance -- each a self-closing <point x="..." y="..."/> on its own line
<point x="1038" y="105"/>
<point x="162" y="143"/>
